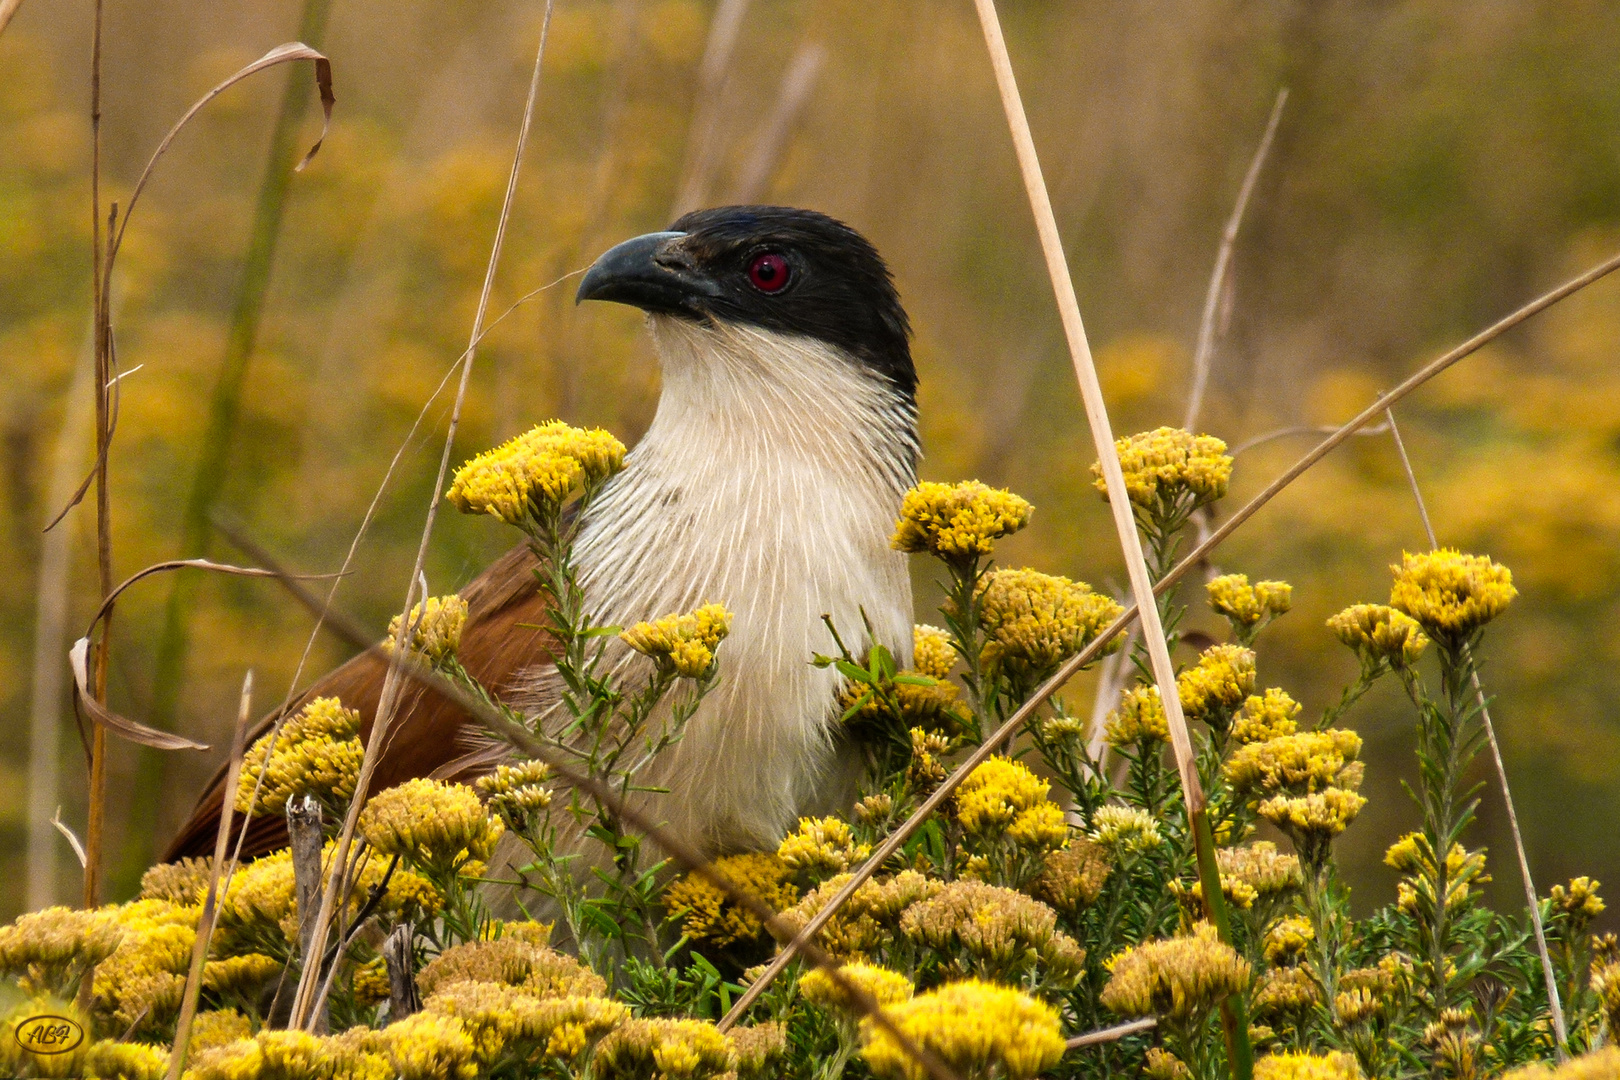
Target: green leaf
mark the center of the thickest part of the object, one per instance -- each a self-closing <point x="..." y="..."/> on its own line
<point x="914" y="680"/>
<point x="854" y="672"/>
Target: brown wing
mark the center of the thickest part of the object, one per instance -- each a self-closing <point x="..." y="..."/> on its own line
<point x="501" y="638"/>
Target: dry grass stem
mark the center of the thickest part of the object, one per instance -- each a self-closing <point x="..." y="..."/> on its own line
<point x="1113" y="1034"/>
<point x="1556" y="1006"/>
<point x="1204" y="353"/>
<point x="8" y="8"/>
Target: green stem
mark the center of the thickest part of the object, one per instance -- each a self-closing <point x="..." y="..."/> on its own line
<point x="1234" y="1015"/>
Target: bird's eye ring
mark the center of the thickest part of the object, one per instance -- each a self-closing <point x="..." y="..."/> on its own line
<point x="769" y="272"/>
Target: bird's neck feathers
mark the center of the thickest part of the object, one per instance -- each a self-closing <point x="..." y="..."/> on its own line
<point x="769" y="481"/>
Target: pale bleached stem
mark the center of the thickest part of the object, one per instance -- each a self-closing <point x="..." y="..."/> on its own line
<point x="309" y="980"/>
<point x="8" y="8"/>
<point x="1204" y="353"/>
<point x="1560" y="1028"/>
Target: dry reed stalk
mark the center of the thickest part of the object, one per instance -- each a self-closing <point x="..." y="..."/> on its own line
<point x="703" y="134"/>
<point x="8" y="8"/>
<point x="1113" y="1034"/>
<point x="50" y="641"/>
<point x="678" y="849"/>
<point x="309" y="980"/>
<point x="797" y="86"/>
<point x="1240" y="1056"/>
<point x="205" y="924"/>
<point x="1302" y="429"/>
<point x="1072" y="666"/>
<point x="1560" y="1028"/>
<point x="1204" y="353"/>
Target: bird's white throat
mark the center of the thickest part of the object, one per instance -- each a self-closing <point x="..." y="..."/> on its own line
<point x="769" y="482"/>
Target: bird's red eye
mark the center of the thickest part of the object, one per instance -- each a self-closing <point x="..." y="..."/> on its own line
<point x="769" y="272"/>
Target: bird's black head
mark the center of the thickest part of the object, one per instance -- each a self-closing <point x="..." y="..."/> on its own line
<point x="789" y="271"/>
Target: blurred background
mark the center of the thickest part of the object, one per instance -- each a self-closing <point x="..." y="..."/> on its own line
<point x="1438" y="163"/>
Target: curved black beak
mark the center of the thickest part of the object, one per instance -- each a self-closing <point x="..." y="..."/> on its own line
<point x="650" y="272"/>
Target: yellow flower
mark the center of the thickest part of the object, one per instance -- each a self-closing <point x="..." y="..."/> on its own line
<point x="439" y="826"/>
<point x="1301" y="763"/>
<point x="711" y="916"/>
<point x="684" y="644"/>
<point x="1178" y="978"/>
<point x="182" y="882"/>
<point x="1379" y="633"/>
<point x="871" y="917"/>
<point x="428" y="1046"/>
<point x="1260" y="866"/>
<point x="1303" y="1066"/>
<point x="536" y="472"/>
<point x="1606" y="985"/>
<point x="1035" y="621"/>
<point x="821" y="847"/>
<point x="502" y="1019"/>
<point x="517" y="792"/>
<point x="1601" y="1064"/>
<point x="1287" y="940"/>
<point x="993" y="932"/>
<point x="510" y="960"/>
<point x="1413" y="855"/>
<point x="1213" y="688"/>
<point x="1317" y="817"/>
<point x="317" y="752"/>
<point x="436" y="626"/>
<point x="1281" y="991"/>
<point x="1580" y="900"/>
<point x="925" y="773"/>
<point x="52" y="949"/>
<point x="759" y="1049"/>
<point x="1266" y="717"/>
<point x="241" y="975"/>
<point x="888" y="987"/>
<point x="1450" y="593"/>
<point x="976" y="1028"/>
<point x="664" y="1049"/>
<point x="216" y="1027"/>
<point x="957" y="521"/>
<point x="1246" y="605"/>
<point x="1003" y="798"/>
<point x="1139" y="719"/>
<point x="931" y="651"/>
<point x="126" y="1061"/>
<point x="141" y="982"/>
<point x="1171" y="466"/>
<point x="1124" y="830"/>
<point x="1163" y="1065"/>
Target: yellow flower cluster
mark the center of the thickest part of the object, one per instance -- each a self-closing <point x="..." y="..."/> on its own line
<point x="241" y="976"/>
<point x="1606" y="985"/>
<point x="1139" y="719"/>
<point x="1579" y="900"/>
<point x="436" y="825"/>
<point x="1301" y="763"/>
<point x="1284" y="991"/>
<point x="513" y="959"/>
<point x="1413" y="856"/>
<point x="1380" y="634"/>
<point x="1303" y="1066"/>
<point x="887" y="987"/>
<point x="182" y="882"/>
<point x="1316" y="818"/>
<point x="1177" y="978"/>
<point x="870" y="920"/>
<point x="1286" y="941"/>
<point x="317" y="752"/>
<point x="710" y="916"/>
<point x="926" y="771"/>
<point x="503" y="1020"/>
<point x="1171" y="466"/>
<point x="141" y="982"/>
<point x="1450" y="593"/>
<point x="1246" y="605"/>
<point x="931" y="651"/>
<point x="216" y="1027"/>
<point x="50" y="950"/>
<point x="684" y="644"/>
<point x="976" y="1028"/>
<point x="1249" y="874"/>
<point x="1074" y="877"/>
<point x="957" y="522"/>
<point x="1266" y="717"/>
<point x="1601" y="1064"/>
<point x="1217" y="685"/>
<point x="108" y="1060"/>
<point x="665" y="1050"/>
<point x="1002" y="798"/>
<point x="1035" y="621"/>
<point x="517" y="792"/>
<point x="1124" y="830"/>
<point x="821" y="847"/>
<point x="536" y="472"/>
<point x="759" y="1050"/>
<point x="436" y="626"/>
<point x="994" y="933"/>
<point x="1163" y="1065"/>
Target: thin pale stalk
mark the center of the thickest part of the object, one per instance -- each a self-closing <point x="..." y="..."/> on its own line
<point x="1092" y="651"/>
<point x="1113" y="1034"/>
<point x="679" y="850"/>
<point x="205" y="924"/>
<point x="309" y="979"/>
<point x="8" y="8"/>
<point x="1560" y="1028"/>
<point x="1204" y="353"/>
<point x="1240" y="1056"/>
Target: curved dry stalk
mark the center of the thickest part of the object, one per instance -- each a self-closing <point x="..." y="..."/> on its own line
<point x="1113" y="1034"/>
<point x="1299" y="429"/>
<point x="1204" y="353"/>
<point x="1072" y="666"/>
<point x="1560" y="1028"/>
<point x="185" y="564"/>
<point x="524" y="740"/>
<point x="309" y="979"/>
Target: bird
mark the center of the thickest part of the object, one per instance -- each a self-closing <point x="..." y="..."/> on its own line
<point x="769" y="480"/>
